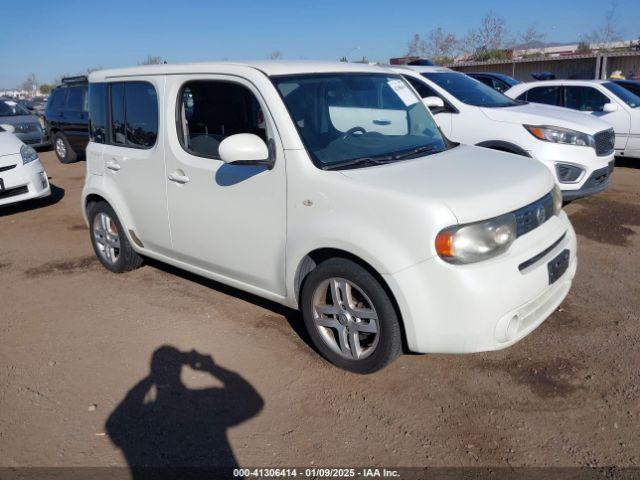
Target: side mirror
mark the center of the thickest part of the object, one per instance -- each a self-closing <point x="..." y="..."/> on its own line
<point x="610" y="107"/>
<point x="433" y="102"/>
<point x="245" y="149"/>
<point x="8" y="128"/>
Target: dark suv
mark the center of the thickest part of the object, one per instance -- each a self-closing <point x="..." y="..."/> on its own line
<point x="67" y="120"/>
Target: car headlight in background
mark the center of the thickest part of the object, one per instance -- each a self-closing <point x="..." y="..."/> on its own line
<point x="28" y="154"/>
<point x="479" y="241"/>
<point x="561" y="135"/>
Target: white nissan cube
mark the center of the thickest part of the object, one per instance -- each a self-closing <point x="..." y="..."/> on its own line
<point x="22" y="176"/>
<point x="326" y="187"/>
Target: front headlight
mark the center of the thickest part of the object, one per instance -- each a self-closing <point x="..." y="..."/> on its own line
<point x="557" y="199"/>
<point x="474" y="242"/>
<point x="28" y="154"/>
<point x="561" y="135"/>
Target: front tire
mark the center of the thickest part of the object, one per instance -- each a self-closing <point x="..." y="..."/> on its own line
<point x="109" y="240"/>
<point x="63" y="150"/>
<point x="350" y="317"/>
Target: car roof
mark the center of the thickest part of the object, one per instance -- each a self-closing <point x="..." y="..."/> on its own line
<point x="626" y="80"/>
<point x="423" y="69"/>
<point x="268" y="67"/>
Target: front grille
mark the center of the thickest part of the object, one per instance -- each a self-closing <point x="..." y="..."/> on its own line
<point x="605" y="142"/>
<point x="28" y="128"/>
<point x="534" y="214"/>
<point x="12" y="192"/>
<point x="7" y="167"/>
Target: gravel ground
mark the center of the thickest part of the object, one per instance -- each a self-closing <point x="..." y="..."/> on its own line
<point x="78" y="386"/>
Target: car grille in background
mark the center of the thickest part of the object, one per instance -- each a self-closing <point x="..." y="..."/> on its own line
<point x="7" y="167"/>
<point x="28" y="128"/>
<point x="605" y="142"/>
<point x="12" y="192"/>
<point x="534" y="214"/>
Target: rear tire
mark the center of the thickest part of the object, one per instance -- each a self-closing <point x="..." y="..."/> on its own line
<point x="63" y="150"/>
<point x="350" y="318"/>
<point x="109" y="240"/>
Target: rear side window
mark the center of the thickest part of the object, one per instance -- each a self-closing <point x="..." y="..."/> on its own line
<point x="76" y="98"/>
<point x="585" y="99"/>
<point x="98" y="112"/>
<point x="134" y="114"/>
<point x="210" y="110"/>
<point x="548" y="95"/>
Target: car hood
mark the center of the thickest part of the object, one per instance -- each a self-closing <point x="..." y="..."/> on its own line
<point x="19" y="119"/>
<point x="474" y="183"/>
<point x="538" y="114"/>
<point x="9" y="144"/>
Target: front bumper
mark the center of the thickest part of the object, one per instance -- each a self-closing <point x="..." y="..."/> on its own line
<point x="22" y="182"/>
<point x="598" y="181"/>
<point x="488" y="305"/>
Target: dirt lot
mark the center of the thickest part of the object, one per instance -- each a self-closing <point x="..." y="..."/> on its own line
<point x="74" y="339"/>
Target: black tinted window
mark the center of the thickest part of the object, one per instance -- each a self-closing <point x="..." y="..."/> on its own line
<point x="469" y="90"/>
<point x="75" y="98"/>
<point x="422" y="88"/>
<point x="56" y="102"/>
<point x="117" y="113"/>
<point x="586" y="99"/>
<point x="548" y="95"/>
<point x="98" y="112"/>
<point x="141" y="113"/>
<point x="210" y="111"/>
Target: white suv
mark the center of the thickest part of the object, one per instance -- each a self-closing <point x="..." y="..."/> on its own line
<point x="22" y="176"/>
<point x="603" y="99"/>
<point x="326" y="187"/>
<point x="577" y="149"/>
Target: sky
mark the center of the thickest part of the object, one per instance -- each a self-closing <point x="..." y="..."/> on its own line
<point x="70" y="36"/>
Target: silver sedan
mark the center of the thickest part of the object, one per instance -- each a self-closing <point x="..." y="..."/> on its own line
<point x="26" y="125"/>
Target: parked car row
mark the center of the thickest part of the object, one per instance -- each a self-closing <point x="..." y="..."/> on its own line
<point x="26" y="125"/>
<point x="286" y="180"/>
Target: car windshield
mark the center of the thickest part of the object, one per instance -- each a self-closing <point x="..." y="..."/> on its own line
<point x="358" y="119"/>
<point x="469" y="90"/>
<point x="623" y="94"/>
<point x="507" y="79"/>
<point x="9" y="108"/>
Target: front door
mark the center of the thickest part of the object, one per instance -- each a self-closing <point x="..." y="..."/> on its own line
<point x="227" y="219"/>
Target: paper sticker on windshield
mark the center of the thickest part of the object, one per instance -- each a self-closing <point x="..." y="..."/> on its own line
<point x="401" y="89"/>
<point x="11" y="103"/>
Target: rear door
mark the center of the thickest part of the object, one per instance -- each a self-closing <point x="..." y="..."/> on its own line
<point x="133" y="157"/>
<point x="592" y="100"/>
<point x="442" y="116"/>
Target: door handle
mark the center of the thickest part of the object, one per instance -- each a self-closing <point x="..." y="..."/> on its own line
<point x="111" y="165"/>
<point x="178" y="177"/>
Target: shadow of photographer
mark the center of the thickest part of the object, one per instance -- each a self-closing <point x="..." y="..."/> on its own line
<point x="162" y="425"/>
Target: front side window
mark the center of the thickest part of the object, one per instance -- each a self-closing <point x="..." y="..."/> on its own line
<point x="349" y="117"/>
<point x="211" y="110"/>
<point x="75" y="98"/>
<point x="624" y="94"/>
<point x="470" y="91"/>
<point x="134" y="114"/>
<point x="548" y="95"/>
<point x="585" y="99"/>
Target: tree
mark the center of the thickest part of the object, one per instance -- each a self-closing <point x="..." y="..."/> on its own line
<point x="152" y="60"/>
<point x="609" y="31"/>
<point x="275" y="55"/>
<point x="531" y="37"/>
<point x="30" y="83"/>
<point x="490" y="35"/>
<point x="415" y="46"/>
<point x="441" y="47"/>
<point x="46" y="88"/>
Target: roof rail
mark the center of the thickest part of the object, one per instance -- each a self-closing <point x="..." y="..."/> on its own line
<point x="76" y="79"/>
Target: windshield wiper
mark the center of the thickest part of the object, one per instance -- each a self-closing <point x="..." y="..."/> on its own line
<point x="359" y="162"/>
<point x="416" y="151"/>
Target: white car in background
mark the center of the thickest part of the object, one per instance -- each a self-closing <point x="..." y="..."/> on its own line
<point x="578" y="150"/>
<point x="22" y="176"/>
<point x="603" y="99"/>
<point x="325" y="187"/>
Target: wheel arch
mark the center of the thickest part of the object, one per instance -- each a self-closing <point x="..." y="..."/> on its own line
<point x="314" y="258"/>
